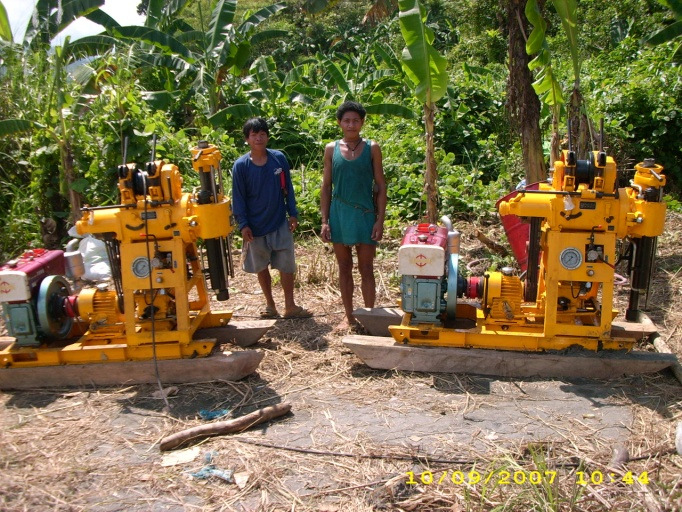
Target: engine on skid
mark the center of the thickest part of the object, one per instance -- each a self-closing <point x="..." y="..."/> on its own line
<point x="566" y="296"/>
<point x="159" y="296"/>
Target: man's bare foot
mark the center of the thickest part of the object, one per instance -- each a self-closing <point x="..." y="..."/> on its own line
<point x="346" y="326"/>
<point x="298" y="312"/>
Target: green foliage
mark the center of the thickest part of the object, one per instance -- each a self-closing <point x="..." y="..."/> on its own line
<point x="568" y="12"/>
<point x="198" y="70"/>
<point x="642" y="115"/>
<point x="672" y="32"/>
<point x="52" y="16"/>
<point x="546" y="85"/>
<point x="424" y="66"/>
<point x="22" y="228"/>
<point x="475" y="33"/>
<point x="5" y="29"/>
<point x="611" y="22"/>
<point x="333" y="27"/>
<point x="472" y="116"/>
<point x="307" y="184"/>
<point x="672" y="203"/>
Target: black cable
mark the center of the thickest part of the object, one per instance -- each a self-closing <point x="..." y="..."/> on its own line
<point x="578" y="294"/>
<point x="151" y="291"/>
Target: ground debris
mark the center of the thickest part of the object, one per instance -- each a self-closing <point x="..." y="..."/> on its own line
<point x="100" y="452"/>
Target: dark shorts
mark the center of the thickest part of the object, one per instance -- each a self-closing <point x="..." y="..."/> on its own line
<point x="275" y="249"/>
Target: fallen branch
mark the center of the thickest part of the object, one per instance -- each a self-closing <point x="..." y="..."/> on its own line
<point x="225" y="427"/>
<point x="492" y="245"/>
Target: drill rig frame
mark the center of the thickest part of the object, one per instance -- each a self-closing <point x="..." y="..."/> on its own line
<point x="566" y="299"/>
<point x="159" y="298"/>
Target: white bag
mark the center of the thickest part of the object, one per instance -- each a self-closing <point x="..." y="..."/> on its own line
<point x="95" y="259"/>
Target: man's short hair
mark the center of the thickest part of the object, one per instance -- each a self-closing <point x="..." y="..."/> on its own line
<point x="350" y="106"/>
<point x="255" y="124"/>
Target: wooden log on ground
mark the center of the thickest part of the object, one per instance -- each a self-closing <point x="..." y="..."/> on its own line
<point x="224" y="427"/>
<point x="240" y="333"/>
<point x="385" y="354"/>
<point x="663" y="348"/>
<point x="220" y="366"/>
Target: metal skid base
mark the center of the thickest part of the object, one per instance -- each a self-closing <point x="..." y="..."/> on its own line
<point x="471" y="330"/>
<point x="114" y="345"/>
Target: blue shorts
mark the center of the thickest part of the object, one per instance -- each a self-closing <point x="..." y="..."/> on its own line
<point x="275" y="249"/>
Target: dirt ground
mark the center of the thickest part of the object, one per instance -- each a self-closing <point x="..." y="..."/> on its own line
<point x="358" y="439"/>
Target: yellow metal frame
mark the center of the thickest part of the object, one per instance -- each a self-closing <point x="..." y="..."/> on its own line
<point x="167" y="222"/>
<point x="586" y="217"/>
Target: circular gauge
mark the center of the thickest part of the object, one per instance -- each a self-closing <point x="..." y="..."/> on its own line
<point x="140" y="267"/>
<point x="571" y="258"/>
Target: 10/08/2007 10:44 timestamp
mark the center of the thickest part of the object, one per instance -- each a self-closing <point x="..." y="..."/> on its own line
<point x="520" y="477"/>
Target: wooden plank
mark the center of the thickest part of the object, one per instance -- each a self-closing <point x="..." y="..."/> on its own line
<point x="635" y="330"/>
<point x="384" y="353"/>
<point x="6" y="341"/>
<point x="376" y="322"/>
<point x="221" y="366"/>
<point x="242" y="333"/>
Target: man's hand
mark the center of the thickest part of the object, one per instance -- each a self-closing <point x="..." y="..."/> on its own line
<point x="378" y="231"/>
<point x="326" y="232"/>
<point x="293" y="223"/>
<point x="247" y="234"/>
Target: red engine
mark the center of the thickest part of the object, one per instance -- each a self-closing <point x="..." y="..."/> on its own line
<point x="20" y="278"/>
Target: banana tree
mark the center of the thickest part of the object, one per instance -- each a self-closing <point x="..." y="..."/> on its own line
<point x="57" y="123"/>
<point x="54" y="117"/>
<point x="368" y="74"/>
<point x="547" y="84"/>
<point x="5" y="29"/>
<point x="329" y="80"/>
<point x="226" y="50"/>
<point x="208" y="58"/>
<point x="671" y="32"/>
<point x="426" y="69"/>
<point x="222" y="53"/>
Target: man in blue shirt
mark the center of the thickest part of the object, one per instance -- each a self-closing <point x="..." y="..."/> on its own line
<point x="264" y="206"/>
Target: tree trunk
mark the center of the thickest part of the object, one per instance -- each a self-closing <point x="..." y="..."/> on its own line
<point x="580" y="128"/>
<point x="523" y="104"/>
<point x="69" y="178"/>
<point x="431" y="176"/>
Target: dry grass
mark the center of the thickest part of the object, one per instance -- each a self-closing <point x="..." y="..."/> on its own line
<point x="349" y="444"/>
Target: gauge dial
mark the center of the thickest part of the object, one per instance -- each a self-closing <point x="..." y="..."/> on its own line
<point x="571" y="258"/>
<point x="140" y="267"/>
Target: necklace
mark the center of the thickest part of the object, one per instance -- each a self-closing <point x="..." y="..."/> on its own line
<point x="352" y="151"/>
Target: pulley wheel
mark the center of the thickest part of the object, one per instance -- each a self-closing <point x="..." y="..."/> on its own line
<point x="52" y="319"/>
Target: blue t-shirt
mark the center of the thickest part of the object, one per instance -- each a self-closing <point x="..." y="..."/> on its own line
<point x="258" y="200"/>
